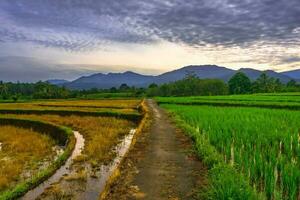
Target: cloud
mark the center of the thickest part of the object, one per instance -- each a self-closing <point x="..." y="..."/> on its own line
<point x="198" y="22"/>
<point x="71" y="26"/>
<point x="292" y="59"/>
<point x="28" y="69"/>
<point x="85" y="25"/>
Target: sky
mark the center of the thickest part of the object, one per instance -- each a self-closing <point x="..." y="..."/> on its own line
<point x="42" y="39"/>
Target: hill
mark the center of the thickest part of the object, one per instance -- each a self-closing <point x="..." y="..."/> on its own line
<point x="109" y="80"/>
<point x="295" y="74"/>
<point x="57" y="81"/>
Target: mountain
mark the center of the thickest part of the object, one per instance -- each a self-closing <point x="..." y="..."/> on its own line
<point x="254" y="74"/>
<point x="295" y="74"/>
<point x="202" y="71"/>
<point x="109" y="80"/>
<point x="57" y="81"/>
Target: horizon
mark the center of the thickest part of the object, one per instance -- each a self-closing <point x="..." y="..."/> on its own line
<point x="65" y="40"/>
<point x="85" y="74"/>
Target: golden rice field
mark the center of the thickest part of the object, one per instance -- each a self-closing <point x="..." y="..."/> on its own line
<point x="18" y="153"/>
<point x="130" y="103"/>
<point x="100" y="133"/>
<point x="25" y="148"/>
<point x="121" y="106"/>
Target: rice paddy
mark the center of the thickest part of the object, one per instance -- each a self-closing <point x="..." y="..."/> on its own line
<point x="260" y="146"/>
<point x="120" y="106"/>
<point x="250" y="143"/>
<point x="101" y="132"/>
<point x="284" y="101"/>
<point x="19" y="154"/>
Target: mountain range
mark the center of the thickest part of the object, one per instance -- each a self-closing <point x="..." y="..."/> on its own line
<point x="295" y="74"/>
<point x="101" y="80"/>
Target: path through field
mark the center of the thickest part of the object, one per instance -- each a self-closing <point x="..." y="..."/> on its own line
<point x="161" y="165"/>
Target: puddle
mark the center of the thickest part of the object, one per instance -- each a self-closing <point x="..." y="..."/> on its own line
<point x="65" y="169"/>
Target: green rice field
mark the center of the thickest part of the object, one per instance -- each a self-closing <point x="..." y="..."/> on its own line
<point x="253" y="152"/>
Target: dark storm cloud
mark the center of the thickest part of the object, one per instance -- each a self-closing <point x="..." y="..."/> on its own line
<point x="78" y="25"/>
<point x="228" y="22"/>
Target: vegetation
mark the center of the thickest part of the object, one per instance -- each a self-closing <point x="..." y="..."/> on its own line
<point x="281" y="101"/>
<point x="18" y="153"/>
<point x="190" y="85"/>
<point x="21" y="183"/>
<point x="260" y="144"/>
<point x="39" y="90"/>
<point x="239" y="84"/>
<point x="118" y="104"/>
<point x="100" y="106"/>
<point x="263" y="84"/>
<point x="101" y="133"/>
<point x="44" y="90"/>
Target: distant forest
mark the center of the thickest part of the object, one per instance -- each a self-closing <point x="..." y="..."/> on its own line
<point x="191" y="85"/>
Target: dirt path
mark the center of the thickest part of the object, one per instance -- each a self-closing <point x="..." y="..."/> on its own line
<point x="161" y="165"/>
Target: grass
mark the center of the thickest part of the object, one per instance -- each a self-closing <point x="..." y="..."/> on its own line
<point x="263" y="145"/>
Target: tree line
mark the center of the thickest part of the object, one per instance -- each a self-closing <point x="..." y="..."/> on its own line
<point x="191" y="85"/>
<point x="39" y="90"/>
<point x="241" y="84"/>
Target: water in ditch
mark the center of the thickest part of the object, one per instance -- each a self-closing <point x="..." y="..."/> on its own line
<point x="89" y="187"/>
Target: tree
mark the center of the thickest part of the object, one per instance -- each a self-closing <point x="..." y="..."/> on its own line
<point x="124" y="87"/>
<point x="3" y="90"/>
<point x="113" y="90"/>
<point x="152" y="90"/>
<point x="153" y="85"/>
<point x="291" y="83"/>
<point x="278" y="85"/>
<point x="239" y="84"/>
<point x="15" y="97"/>
<point x="191" y="85"/>
<point x="263" y="84"/>
<point x="292" y="86"/>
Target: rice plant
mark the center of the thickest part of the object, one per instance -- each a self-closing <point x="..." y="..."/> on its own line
<point x="262" y="144"/>
<point x="18" y="154"/>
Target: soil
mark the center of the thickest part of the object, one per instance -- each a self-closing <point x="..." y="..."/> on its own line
<point x="161" y="165"/>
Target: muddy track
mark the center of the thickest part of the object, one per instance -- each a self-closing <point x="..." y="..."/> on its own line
<point x="161" y="165"/>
